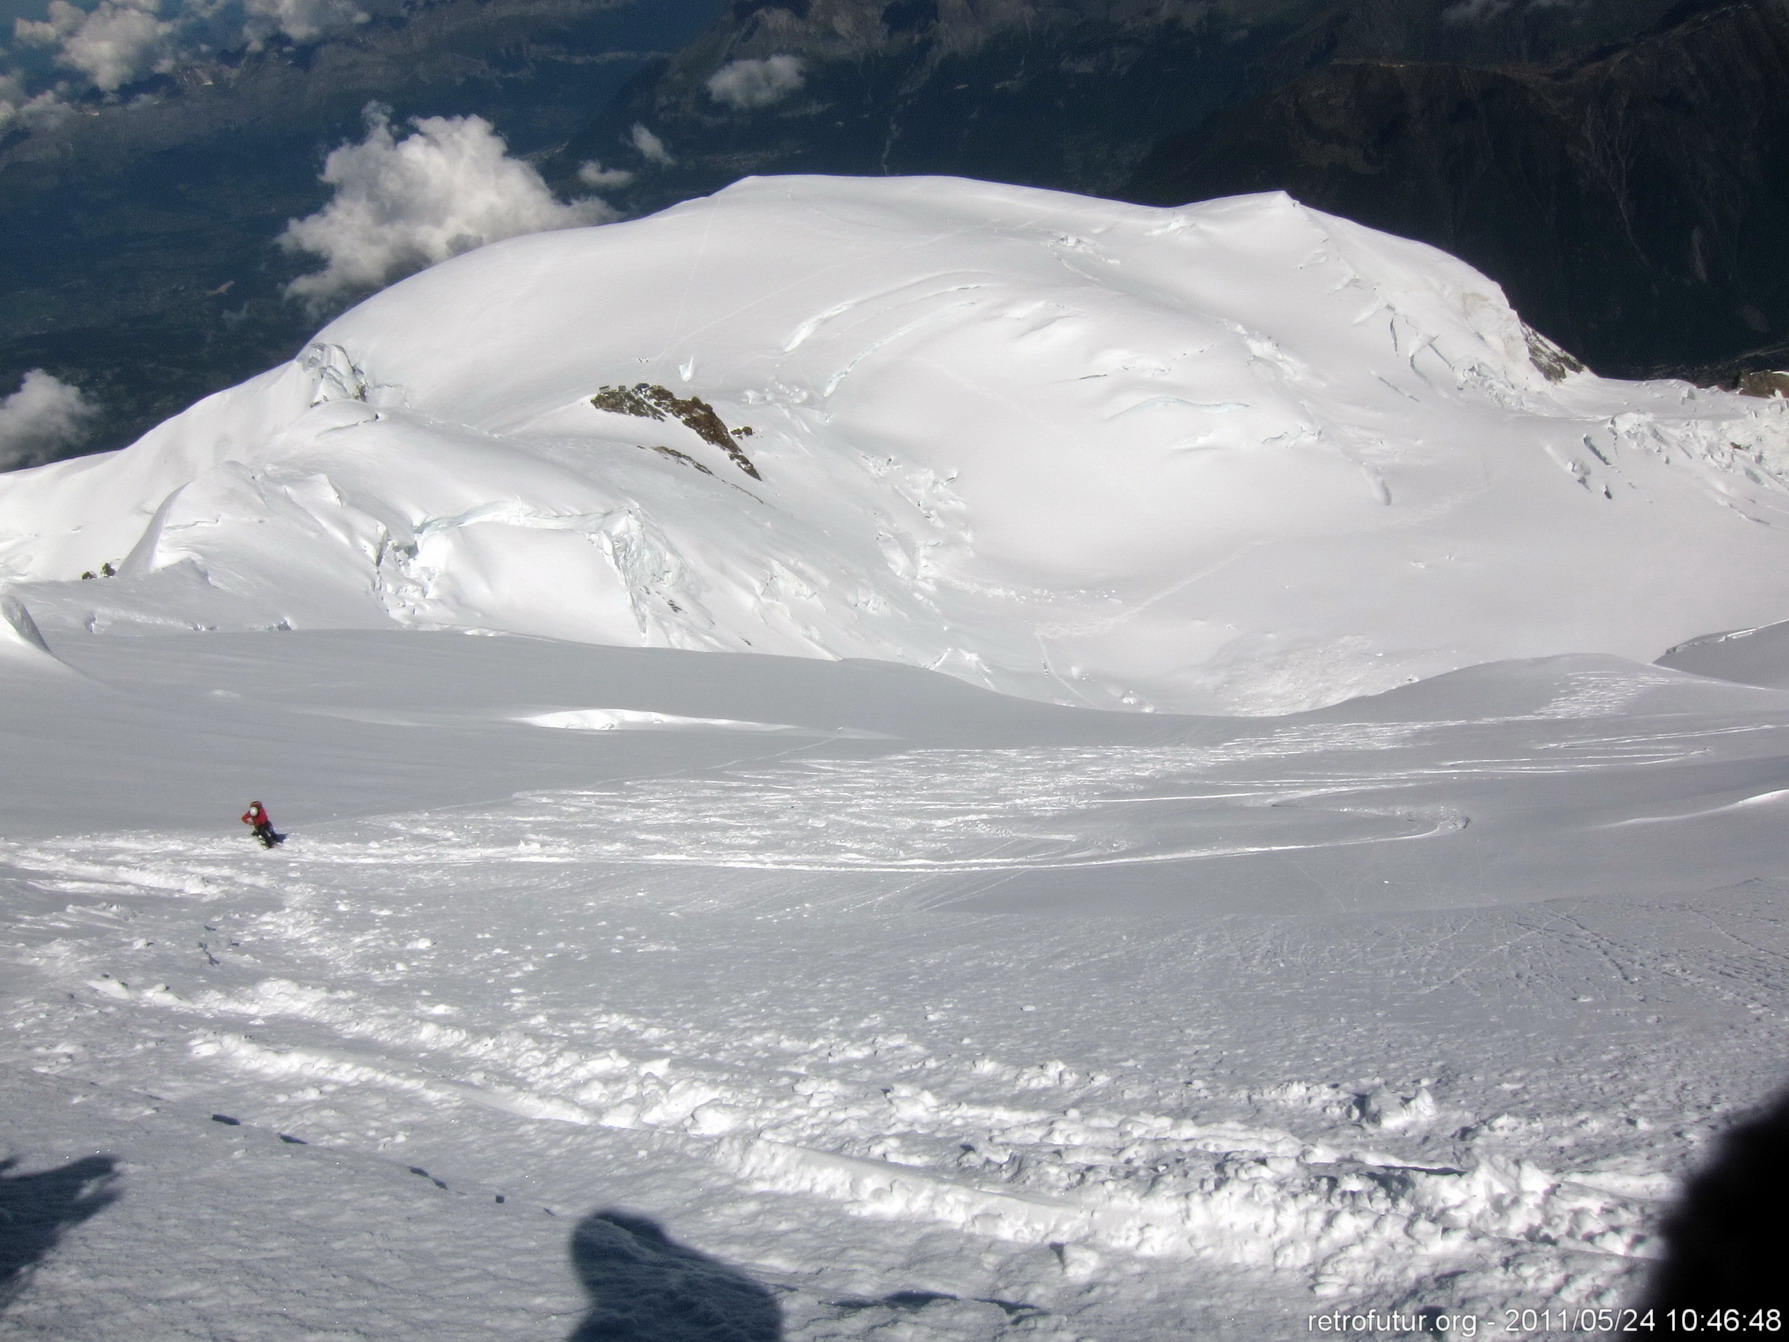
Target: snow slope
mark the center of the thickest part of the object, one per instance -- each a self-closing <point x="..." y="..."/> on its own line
<point x="663" y="933"/>
<point x="931" y="1015"/>
<point x="1236" y="457"/>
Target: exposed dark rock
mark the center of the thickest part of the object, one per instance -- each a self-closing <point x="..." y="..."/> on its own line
<point x="672" y="454"/>
<point x="1555" y="364"/>
<point x="1764" y="382"/>
<point x="647" y="400"/>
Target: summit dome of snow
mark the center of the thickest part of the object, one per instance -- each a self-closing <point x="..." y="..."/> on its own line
<point x="1234" y="457"/>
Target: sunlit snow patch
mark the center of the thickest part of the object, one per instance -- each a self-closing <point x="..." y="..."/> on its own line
<point x="620" y="719"/>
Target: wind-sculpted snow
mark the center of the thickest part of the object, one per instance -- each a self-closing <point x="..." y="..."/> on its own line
<point x="20" y="638"/>
<point x="1748" y="656"/>
<point x="1236" y="457"/>
<point x="961" y="1017"/>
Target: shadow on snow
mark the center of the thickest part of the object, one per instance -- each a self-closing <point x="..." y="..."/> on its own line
<point x="35" y="1209"/>
<point x="645" y="1287"/>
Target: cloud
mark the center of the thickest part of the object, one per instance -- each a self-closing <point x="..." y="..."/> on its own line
<point x="64" y="20"/>
<point x="118" y="42"/>
<point x="300" y="21"/>
<point x="115" y="43"/>
<point x="650" y="146"/>
<point x="748" y="84"/>
<point x="594" y="174"/>
<point x="41" y="420"/>
<point x="28" y="111"/>
<point x="19" y="107"/>
<point x="404" y="204"/>
<point x="1473" y="11"/>
<point x="1485" y="11"/>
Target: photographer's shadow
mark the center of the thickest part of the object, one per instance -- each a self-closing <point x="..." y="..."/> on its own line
<point x="645" y="1287"/>
<point x="35" y="1210"/>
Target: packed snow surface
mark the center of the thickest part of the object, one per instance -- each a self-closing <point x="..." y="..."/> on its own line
<point x="923" y="1013"/>
<point x="731" y="891"/>
<point x="1238" y="457"/>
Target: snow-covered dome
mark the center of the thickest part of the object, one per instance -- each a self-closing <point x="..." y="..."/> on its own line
<point x="1235" y="457"/>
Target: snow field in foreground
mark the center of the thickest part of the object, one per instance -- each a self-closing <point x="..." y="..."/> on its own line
<point x="950" y="1041"/>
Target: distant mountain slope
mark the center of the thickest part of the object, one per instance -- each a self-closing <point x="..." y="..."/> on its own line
<point x="1634" y="203"/>
<point x="1068" y="94"/>
<point x="140" y="262"/>
<point x="1062" y="95"/>
<point x="1239" y="457"/>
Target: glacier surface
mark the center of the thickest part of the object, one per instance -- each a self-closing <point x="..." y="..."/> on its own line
<point x="1239" y="457"/>
<point x="1176" y="782"/>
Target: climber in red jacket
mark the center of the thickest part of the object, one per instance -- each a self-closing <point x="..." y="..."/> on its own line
<point x="256" y="815"/>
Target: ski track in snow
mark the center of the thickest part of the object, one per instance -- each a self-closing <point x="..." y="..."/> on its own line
<point x="471" y="986"/>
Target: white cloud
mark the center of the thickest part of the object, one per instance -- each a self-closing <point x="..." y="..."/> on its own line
<point x="42" y="419"/>
<point x="594" y="174"/>
<point x="116" y="42"/>
<point x="1475" y="11"/>
<point x="404" y="204"/>
<point x="650" y="146"/>
<point x="300" y="21"/>
<point x="30" y="111"/>
<point x="63" y="20"/>
<point x="16" y="103"/>
<point x="748" y="84"/>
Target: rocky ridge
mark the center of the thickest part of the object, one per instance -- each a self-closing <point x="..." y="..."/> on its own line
<point x="1631" y="202"/>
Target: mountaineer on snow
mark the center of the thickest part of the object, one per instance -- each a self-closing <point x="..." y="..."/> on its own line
<point x="256" y="815"/>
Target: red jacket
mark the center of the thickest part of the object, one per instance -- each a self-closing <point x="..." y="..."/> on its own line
<point x="257" y="816"/>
